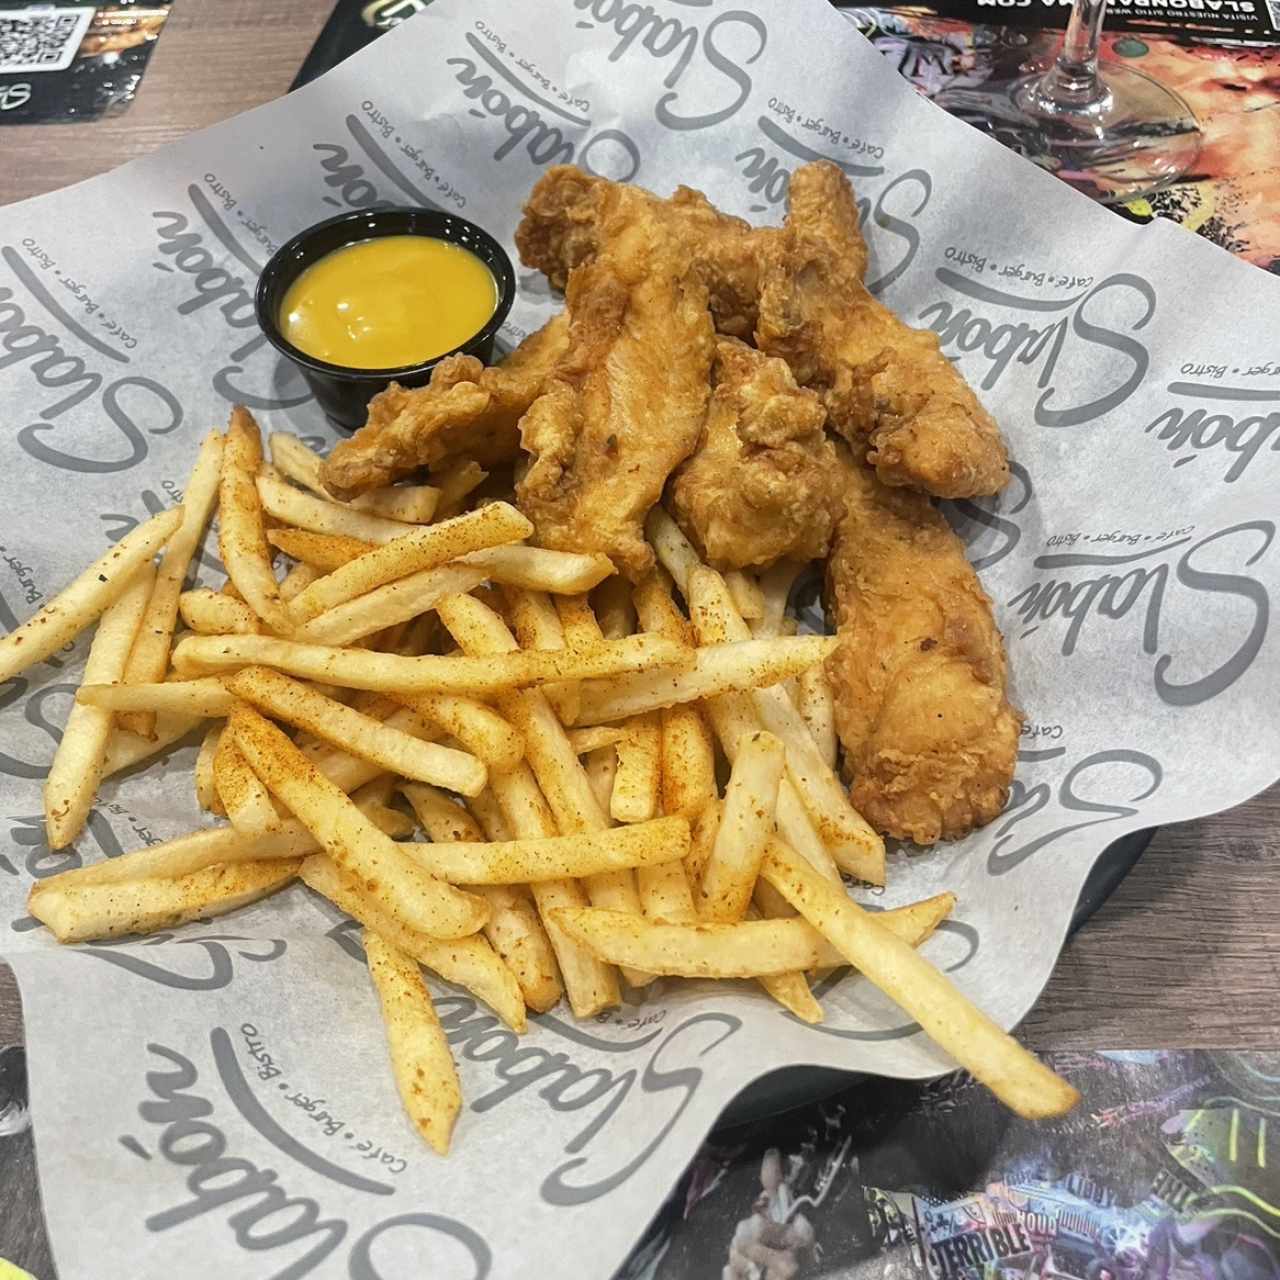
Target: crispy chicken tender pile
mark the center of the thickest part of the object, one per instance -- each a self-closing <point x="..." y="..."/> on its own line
<point x="763" y="483"/>
<point x="627" y="400"/>
<point x="929" y="736"/>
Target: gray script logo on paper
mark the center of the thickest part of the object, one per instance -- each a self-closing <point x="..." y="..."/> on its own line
<point x="1238" y="422"/>
<point x="1092" y="331"/>
<point x="1091" y="591"/>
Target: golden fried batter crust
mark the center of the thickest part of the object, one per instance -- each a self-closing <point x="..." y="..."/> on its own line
<point x="763" y="483"/>
<point x="930" y="739"/>
<point x="466" y="409"/>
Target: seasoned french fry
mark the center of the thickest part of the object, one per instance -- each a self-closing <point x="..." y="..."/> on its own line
<point x="746" y="825"/>
<point x="125" y="750"/>
<point x="297" y="580"/>
<point x="634" y="796"/>
<point x="572" y="856"/>
<point x="454" y="483"/>
<point x="817" y="706"/>
<point x="480" y="729"/>
<point x="87" y="598"/>
<point x="324" y="552"/>
<point x="747" y="596"/>
<point x="744" y="949"/>
<point x="716" y="669"/>
<point x="246" y="801"/>
<point x="306" y="511"/>
<point x="110" y="910"/>
<point x="357" y="733"/>
<point x="581" y="628"/>
<point x="775" y="587"/>
<point x="601" y="768"/>
<point x="206" y="697"/>
<point x="537" y="625"/>
<point x="613" y="608"/>
<point x="790" y="990"/>
<point x="388" y="605"/>
<point x="595" y="737"/>
<point x="391" y="879"/>
<point x="426" y="548"/>
<point x="420" y="1057"/>
<point x="514" y="929"/>
<point x="470" y="962"/>
<point x="665" y="894"/>
<point x="150" y="657"/>
<point x="855" y="845"/>
<point x="487" y="813"/>
<point x="241" y="527"/>
<point x="469" y="676"/>
<point x="990" y="1055"/>
<point x="210" y="613"/>
<point x="706" y="827"/>
<point x="77" y="764"/>
<point x="539" y="569"/>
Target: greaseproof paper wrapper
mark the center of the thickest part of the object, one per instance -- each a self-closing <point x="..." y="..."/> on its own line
<point x="218" y="1102"/>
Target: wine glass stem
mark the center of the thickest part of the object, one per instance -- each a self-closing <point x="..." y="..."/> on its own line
<point x="1074" y="81"/>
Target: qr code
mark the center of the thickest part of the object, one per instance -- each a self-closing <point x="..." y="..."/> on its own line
<point x="42" y="38"/>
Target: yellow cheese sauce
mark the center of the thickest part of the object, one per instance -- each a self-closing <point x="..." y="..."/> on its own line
<point x="387" y="302"/>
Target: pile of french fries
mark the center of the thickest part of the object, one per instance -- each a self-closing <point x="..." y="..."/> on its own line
<point x="557" y="735"/>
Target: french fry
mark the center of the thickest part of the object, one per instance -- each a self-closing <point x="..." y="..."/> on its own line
<point x="613" y="608"/>
<point x="747" y="596"/>
<point x="591" y="985"/>
<point x="241" y="528"/>
<point x="790" y="990"/>
<point x="537" y="625"/>
<point x="77" y="764"/>
<point x="487" y="813"/>
<point x="716" y="669"/>
<point x="206" y="697"/>
<point x="513" y="930"/>
<point x="426" y="548"/>
<point x="776" y="584"/>
<point x="540" y="569"/>
<point x="601" y="768"/>
<point x="150" y="657"/>
<point x="420" y="1057"/>
<point x="480" y="729"/>
<point x="816" y="703"/>
<point x="325" y="552"/>
<point x="665" y="894"/>
<point x="350" y="772"/>
<point x="468" y="676"/>
<point x="688" y="760"/>
<point x="87" y="598"/>
<point x="990" y="1055"/>
<point x="574" y="856"/>
<point x="359" y="734"/>
<point x="246" y="801"/>
<point x="305" y="511"/>
<point x="297" y="580"/>
<point x="388" y="605"/>
<point x="391" y="879"/>
<point x="125" y="750"/>
<point x="702" y="839"/>
<point x="210" y="613"/>
<point x="391" y="822"/>
<point x="581" y="628"/>
<point x="746" y="825"/>
<point x="634" y="796"/>
<point x="595" y="737"/>
<point x="855" y="845"/>
<point x="454" y="483"/>
<point x="470" y="962"/>
<point x="110" y="910"/>
<point x="744" y="949"/>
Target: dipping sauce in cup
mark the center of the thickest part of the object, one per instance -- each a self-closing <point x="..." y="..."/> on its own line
<point x="380" y="296"/>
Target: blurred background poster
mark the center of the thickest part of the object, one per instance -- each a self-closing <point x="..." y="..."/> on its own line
<point x="1169" y="1170"/>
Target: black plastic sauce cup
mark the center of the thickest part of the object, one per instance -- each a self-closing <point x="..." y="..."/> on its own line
<point x="344" y="393"/>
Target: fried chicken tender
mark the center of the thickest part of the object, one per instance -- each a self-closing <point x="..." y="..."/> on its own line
<point x="561" y="230"/>
<point x="626" y="403"/>
<point x="930" y="739"/>
<point x="888" y="388"/>
<point x="798" y="291"/>
<point x="764" y="482"/>
<point x="465" y="409"/>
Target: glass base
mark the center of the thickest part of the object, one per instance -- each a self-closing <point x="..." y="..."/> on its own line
<point x="1116" y="137"/>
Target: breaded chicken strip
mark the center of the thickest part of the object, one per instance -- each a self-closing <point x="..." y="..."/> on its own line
<point x="466" y="409"/>
<point x="626" y="403"/>
<point x="930" y="739"/>
<point x="764" y="482"/>
<point x="888" y="388"/>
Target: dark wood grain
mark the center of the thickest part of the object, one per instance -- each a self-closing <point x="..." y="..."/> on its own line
<point x="1184" y="953"/>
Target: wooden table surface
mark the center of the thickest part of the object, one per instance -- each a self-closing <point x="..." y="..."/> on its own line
<point x="1183" y="955"/>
